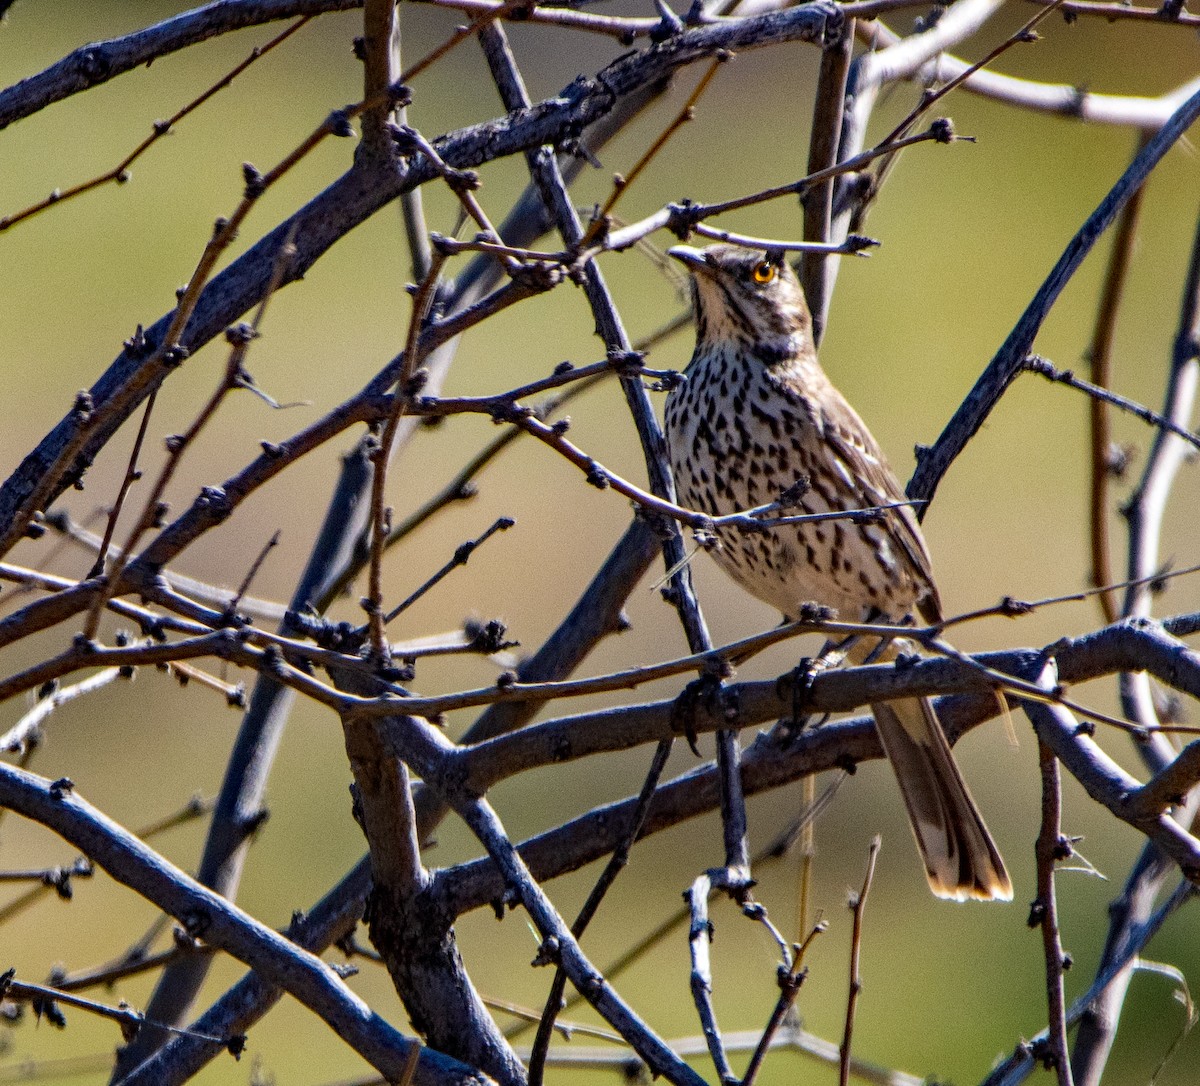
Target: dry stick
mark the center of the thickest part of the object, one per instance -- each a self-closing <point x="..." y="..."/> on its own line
<point x="1037" y="364"/>
<point x="432" y="705"/>
<point x="1023" y="1062"/>
<point x="858" y="905"/>
<point x="482" y="19"/>
<point x="557" y="939"/>
<point x="628" y="29"/>
<point x="188" y="812"/>
<point x="1052" y="847"/>
<point x="170" y="351"/>
<point x="566" y="1030"/>
<point x="457" y="489"/>
<point x="790" y="980"/>
<point x="621" y="182"/>
<point x="18" y="737"/>
<point x="817" y="201"/>
<point x="84" y="656"/>
<point x="80" y="423"/>
<point x="220" y="643"/>
<point x="381" y="457"/>
<point x="1022" y="688"/>
<point x="934" y="461"/>
<point x="132" y="475"/>
<point x="462" y="555"/>
<point x="1112" y="13"/>
<point x="57" y="878"/>
<point x="120" y="172"/>
<point x="1013" y="608"/>
<point x="128" y="965"/>
<point x="97" y="62"/>
<point x="259" y="609"/>
<point x="1022" y="35"/>
<point x="615" y="865"/>
<point x="773" y="853"/>
<point x="252" y="572"/>
<point x="700" y="933"/>
<point x="134" y="864"/>
<point x="1128" y="913"/>
<point x="460" y="488"/>
<point x="1100" y="356"/>
<point x="854" y="245"/>
<point x="752" y="520"/>
<point x="939" y="132"/>
<point x="239" y="338"/>
<point x="1147" y="505"/>
<point x="130" y="1021"/>
<point x="461" y="183"/>
<point x="234" y="693"/>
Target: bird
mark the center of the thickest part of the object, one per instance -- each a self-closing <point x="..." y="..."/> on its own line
<point x="756" y="416"/>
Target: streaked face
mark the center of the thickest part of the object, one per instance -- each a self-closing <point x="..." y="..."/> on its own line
<point x="748" y="297"/>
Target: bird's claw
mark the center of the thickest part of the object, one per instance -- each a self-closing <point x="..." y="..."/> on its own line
<point x="707" y="692"/>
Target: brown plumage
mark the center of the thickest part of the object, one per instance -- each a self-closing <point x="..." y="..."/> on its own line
<point x="756" y="415"/>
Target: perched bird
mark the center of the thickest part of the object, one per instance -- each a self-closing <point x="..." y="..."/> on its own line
<point x="756" y="416"/>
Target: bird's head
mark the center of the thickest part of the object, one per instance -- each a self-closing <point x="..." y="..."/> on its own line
<point x="749" y="299"/>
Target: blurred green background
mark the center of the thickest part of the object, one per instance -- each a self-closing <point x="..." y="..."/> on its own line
<point x="968" y="233"/>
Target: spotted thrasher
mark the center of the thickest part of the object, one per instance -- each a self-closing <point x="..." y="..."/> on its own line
<point x="757" y="415"/>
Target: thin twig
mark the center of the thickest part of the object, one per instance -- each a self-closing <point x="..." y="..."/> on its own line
<point x="130" y="1021"/>
<point x="239" y="338"/>
<point x="616" y="864"/>
<point x="381" y="456"/>
<point x="1100" y="356"/>
<point x="790" y="980"/>
<point x="252" y="572"/>
<point x="120" y="172"/>
<point x="132" y="475"/>
<point x="621" y="182"/>
<point x="1036" y="364"/>
<point x="1052" y="847"/>
<point x="462" y="555"/>
<point x="700" y="934"/>
<point x="18" y="737"/>
<point x="858" y="905"/>
<point x="933" y="462"/>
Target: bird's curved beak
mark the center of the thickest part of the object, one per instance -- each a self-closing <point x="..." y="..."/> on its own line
<point x="695" y="259"/>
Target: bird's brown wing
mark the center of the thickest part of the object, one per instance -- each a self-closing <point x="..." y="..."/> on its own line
<point x="849" y="437"/>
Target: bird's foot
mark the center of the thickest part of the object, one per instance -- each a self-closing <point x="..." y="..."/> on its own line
<point x="707" y="694"/>
<point x="797" y="685"/>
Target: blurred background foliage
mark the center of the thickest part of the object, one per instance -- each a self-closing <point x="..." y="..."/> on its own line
<point x="968" y="233"/>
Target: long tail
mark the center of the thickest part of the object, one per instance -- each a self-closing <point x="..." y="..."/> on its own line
<point x="961" y="860"/>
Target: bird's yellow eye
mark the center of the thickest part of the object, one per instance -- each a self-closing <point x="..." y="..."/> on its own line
<point x="764" y="272"/>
